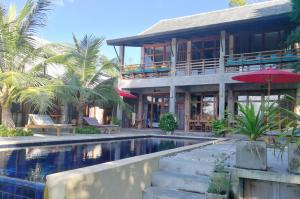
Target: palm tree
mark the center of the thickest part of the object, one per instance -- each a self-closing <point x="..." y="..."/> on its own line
<point x="20" y="58"/>
<point x="89" y="77"/>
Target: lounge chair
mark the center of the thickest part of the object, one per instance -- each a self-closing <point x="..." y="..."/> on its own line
<point x="105" y="128"/>
<point x="36" y="121"/>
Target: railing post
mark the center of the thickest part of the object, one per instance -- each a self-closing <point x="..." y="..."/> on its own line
<point x="173" y="56"/>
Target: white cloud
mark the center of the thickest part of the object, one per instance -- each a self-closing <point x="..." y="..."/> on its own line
<point x="62" y="2"/>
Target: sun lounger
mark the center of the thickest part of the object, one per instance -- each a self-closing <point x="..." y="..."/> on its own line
<point x="36" y="121"/>
<point x="104" y="128"/>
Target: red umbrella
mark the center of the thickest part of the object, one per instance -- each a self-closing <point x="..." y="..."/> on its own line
<point x="125" y="94"/>
<point x="268" y="76"/>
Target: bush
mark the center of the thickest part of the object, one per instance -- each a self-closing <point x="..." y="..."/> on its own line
<point x="115" y="121"/>
<point x="219" y="127"/>
<point x="219" y="184"/>
<point x="168" y="123"/>
<point x="5" y="132"/>
<point x="87" y="130"/>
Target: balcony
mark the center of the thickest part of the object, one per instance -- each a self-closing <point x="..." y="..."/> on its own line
<point x="197" y="67"/>
<point x="259" y="60"/>
<point x="157" y="69"/>
<point x="163" y="69"/>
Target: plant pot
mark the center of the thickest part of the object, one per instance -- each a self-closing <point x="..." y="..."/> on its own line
<point x="214" y="196"/>
<point x="251" y="155"/>
<point x="169" y="132"/>
<point x="294" y="158"/>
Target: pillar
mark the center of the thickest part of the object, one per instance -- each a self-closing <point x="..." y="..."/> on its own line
<point x="122" y="56"/>
<point x="173" y="56"/>
<point x="231" y="44"/>
<point x="142" y="55"/>
<point x="230" y="104"/>
<point x="140" y="111"/>
<point x="189" y="57"/>
<point x="172" y="102"/>
<point x="119" y="113"/>
<point x="221" y="75"/>
<point x="297" y="107"/>
<point x="187" y="109"/>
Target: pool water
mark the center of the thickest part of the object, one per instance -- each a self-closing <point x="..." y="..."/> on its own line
<point x="34" y="163"/>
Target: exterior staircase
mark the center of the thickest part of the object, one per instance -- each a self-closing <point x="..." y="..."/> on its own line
<point x="186" y="175"/>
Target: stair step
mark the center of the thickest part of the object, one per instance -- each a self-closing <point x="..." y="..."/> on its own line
<point x="162" y="193"/>
<point x="177" y="181"/>
<point x="186" y="167"/>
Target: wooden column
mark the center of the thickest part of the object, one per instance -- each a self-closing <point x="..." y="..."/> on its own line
<point x="231" y="44"/>
<point x="187" y="109"/>
<point x="173" y="56"/>
<point x="189" y="57"/>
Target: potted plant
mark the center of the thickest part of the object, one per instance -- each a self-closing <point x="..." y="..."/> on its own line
<point x="167" y="123"/>
<point x="219" y="186"/>
<point x="252" y="154"/>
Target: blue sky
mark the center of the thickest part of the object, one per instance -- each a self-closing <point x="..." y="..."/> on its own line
<point x="115" y="18"/>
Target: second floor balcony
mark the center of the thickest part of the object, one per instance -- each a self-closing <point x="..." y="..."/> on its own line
<point x="232" y="64"/>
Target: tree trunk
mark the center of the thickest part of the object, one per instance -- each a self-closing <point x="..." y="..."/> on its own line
<point x="80" y="109"/>
<point x="6" y="117"/>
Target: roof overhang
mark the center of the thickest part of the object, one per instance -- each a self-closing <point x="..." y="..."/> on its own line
<point x="140" y="40"/>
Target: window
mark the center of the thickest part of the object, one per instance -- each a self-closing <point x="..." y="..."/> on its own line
<point x="157" y="54"/>
<point x="205" y="49"/>
<point x="271" y="41"/>
<point x="257" y="43"/>
<point x="181" y="51"/>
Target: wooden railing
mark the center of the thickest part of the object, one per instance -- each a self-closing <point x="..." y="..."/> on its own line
<point x="259" y="60"/>
<point x="156" y="69"/>
<point x="197" y="67"/>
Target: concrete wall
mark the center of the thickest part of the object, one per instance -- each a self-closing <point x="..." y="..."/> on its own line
<point x="126" y="178"/>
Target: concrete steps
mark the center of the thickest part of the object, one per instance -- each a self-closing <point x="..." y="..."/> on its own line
<point x="163" y="193"/>
<point x="186" y="167"/>
<point x="177" y="181"/>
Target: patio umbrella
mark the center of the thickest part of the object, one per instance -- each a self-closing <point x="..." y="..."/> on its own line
<point x="125" y="94"/>
<point x="268" y="76"/>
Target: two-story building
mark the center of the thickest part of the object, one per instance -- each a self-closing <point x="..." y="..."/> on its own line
<point x="187" y="63"/>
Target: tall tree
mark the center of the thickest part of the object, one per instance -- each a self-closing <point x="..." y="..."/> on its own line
<point x="88" y="76"/>
<point x="235" y="3"/>
<point x="18" y="51"/>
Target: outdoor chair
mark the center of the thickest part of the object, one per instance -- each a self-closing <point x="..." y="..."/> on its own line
<point x="36" y="121"/>
<point x="104" y="128"/>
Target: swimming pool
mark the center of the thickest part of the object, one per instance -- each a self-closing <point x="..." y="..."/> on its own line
<point x="31" y="164"/>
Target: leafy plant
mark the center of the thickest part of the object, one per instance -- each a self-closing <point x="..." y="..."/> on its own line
<point x="87" y="130"/>
<point x="115" y="121"/>
<point x="255" y="124"/>
<point x="167" y="122"/>
<point x="235" y="3"/>
<point x="89" y="77"/>
<point x="219" y="127"/>
<point x="219" y="184"/>
<point x="5" y="132"/>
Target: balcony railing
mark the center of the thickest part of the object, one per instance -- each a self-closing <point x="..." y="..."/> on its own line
<point x="197" y="67"/>
<point x="259" y="60"/>
<point x="156" y="69"/>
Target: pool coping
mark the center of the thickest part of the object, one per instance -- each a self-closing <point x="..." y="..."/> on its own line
<point x="55" y="178"/>
<point x="80" y="139"/>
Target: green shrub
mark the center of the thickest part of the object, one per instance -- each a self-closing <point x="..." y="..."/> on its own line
<point x="87" y="130"/>
<point x="219" y="184"/>
<point x="254" y="124"/>
<point x="115" y="121"/>
<point x="5" y="132"/>
<point x="219" y="127"/>
<point x="167" y="122"/>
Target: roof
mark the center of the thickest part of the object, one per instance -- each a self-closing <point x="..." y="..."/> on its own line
<point x="204" y="20"/>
